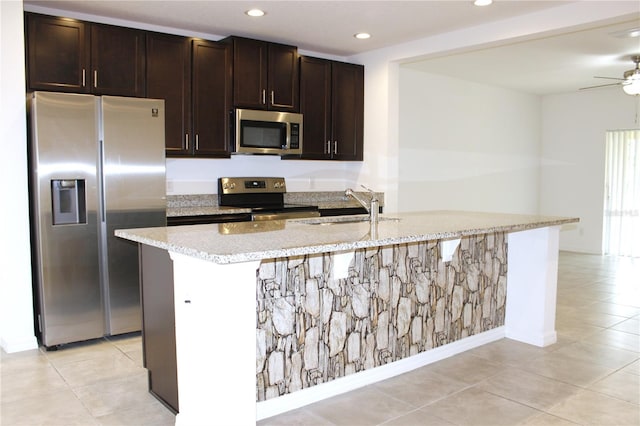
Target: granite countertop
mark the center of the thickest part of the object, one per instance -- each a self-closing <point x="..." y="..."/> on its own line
<point x="245" y="241"/>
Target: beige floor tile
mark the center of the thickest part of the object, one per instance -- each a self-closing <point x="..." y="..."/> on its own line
<point x="59" y="407"/>
<point x="18" y="361"/>
<point x="81" y="351"/>
<point x="631" y="325"/>
<point x="620" y="385"/>
<point x="598" y="319"/>
<point x="614" y="309"/>
<point x="420" y="387"/>
<point x="511" y="352"/>
<point x="466" y="368"/>
<point x="545" y="419"/>
<point x="98" y="369"/>
<point x="109" y="396"/>
<point x="367" y="406"/>
<point x="575" y="330"/>
<point x="480" y="409"/>
<point x="147" y="415"/>
<point x="527" y="388"/>
<point x="597" y="354"/>
<point x="300" y="416"/>
<point x="29" y="382"/>
<point x="633" y="368"/>
<point x="418" y="418"/>
<point x="616" y="339"/>
<point x="592" y="408"/>
<point x="126" y="342"/>
<point x="567" y="370"/>
<point x="137" y="356"/>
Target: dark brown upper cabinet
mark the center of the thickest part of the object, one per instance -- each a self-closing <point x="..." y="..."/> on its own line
<point x="211" y="92"/>
<point x="117" y="61"/>
<point x="194" y="78"/>
<point x="169" y="78"/>
<point x="57" y="54"/>
<point x="265" y="75"/>
<point x="332" y="103"/>
<point x="72" y="56"/>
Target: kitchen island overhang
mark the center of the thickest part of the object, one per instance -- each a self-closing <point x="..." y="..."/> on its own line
<point x="336" y="309"/>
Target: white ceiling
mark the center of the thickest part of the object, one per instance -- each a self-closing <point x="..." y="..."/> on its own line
<point x="549" y="65"/>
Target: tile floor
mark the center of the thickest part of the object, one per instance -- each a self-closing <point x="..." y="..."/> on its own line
<point x="590" y="377"/>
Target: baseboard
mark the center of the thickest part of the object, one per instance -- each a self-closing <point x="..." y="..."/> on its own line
<point x="18" y="344"/>
<point x="335" y="387"/>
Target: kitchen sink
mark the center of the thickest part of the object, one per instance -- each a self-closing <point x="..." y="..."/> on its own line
<point x="339" y="220"/>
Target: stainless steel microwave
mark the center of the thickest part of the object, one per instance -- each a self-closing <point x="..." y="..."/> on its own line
<point x="267" y="132"/>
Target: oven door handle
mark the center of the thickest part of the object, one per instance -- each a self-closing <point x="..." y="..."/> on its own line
<point x="283" y="216"/>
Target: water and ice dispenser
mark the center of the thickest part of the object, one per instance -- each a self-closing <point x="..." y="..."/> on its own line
<point x="69" y="203"/>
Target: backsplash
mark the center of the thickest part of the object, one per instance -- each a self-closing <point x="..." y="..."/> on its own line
<point x="326" y="200"/>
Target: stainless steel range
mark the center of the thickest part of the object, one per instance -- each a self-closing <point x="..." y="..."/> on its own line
<point x="263" y="195"/>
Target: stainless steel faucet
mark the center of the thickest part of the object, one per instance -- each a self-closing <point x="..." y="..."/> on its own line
<point x="372" y="205"/>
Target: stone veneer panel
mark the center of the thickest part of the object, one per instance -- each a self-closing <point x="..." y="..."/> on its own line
<point x="397" y="301"/>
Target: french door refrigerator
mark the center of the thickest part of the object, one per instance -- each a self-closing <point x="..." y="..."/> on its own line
<point x="96" y="164"/>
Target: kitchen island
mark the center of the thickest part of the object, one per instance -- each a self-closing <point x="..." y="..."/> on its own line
<point x="274" y="315"/>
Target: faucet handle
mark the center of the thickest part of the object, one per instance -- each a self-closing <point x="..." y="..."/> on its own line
<point x="368" y="189"/>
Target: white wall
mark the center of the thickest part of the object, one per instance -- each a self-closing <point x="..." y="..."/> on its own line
<point x="573" y="141"/>
<point x="16" y="312"/>
<point x="466" y="146"/>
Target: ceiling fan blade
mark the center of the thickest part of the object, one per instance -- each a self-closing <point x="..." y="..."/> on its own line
<point x="601" y="85"/>
<point x="610" y="78"/>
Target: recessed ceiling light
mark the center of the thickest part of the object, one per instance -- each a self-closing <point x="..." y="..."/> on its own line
<point x="482" y="2"/>
<point x="255" y="12"/>
<point x="628" y="33"/>
<point x="362" y="36"/>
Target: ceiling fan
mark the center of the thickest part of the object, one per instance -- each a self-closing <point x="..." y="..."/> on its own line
<point x="630" y="83"/>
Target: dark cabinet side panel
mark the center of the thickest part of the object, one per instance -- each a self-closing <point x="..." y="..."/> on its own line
<point x="212" y="70"/>
<point x="117" y="61"/>
<point x="158" y="323"/>
<point x="57" y="54"/>
<point x="169" y="78"/>
<point x="315" y="105"/>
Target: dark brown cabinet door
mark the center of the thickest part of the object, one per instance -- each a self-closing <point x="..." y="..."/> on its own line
<point x="347" y="111"/>
<point x="211" y="71"/>
<point x="57" y="53"/>
<point x="249" y="73"/>
<point x="169" y="78"/>
<point x="315" y="106"/>
<point x="332" y="103"/>
<point x="265" y="75"/>
<point x="282" y="89"/>
<point x="117" y="61"/>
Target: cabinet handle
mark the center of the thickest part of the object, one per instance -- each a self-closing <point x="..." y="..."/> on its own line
<point x="95" y="78"/>
<point x="327" y="149"/>
<point x="197" y="142"/>
<point x="84" y="81"/>
<point x="272" y="98"/>
<point x="335" y="147"/>
<point x="186" y="141"/>
<point x="264" y="96"/>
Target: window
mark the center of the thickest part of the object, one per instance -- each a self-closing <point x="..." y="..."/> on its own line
<point x="621" y="233"/>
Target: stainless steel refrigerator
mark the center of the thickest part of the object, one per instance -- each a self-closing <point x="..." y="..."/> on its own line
<point x="96" y="164"/>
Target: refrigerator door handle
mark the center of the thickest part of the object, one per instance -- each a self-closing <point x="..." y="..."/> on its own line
<point x="101" y="193"/>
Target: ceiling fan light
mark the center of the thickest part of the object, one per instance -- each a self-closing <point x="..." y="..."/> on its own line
<point x="631" y="86"/>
